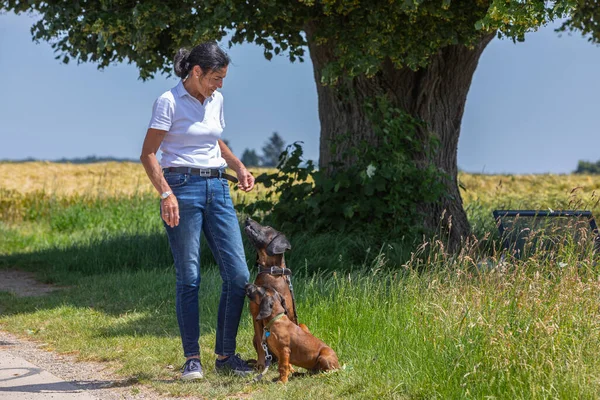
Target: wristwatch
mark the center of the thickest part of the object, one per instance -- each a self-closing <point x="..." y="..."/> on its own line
<point x="166" y="194"/>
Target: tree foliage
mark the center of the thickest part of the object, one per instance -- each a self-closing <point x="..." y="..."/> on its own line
<point x="587" y="167"/>
<point x="359" y="35"/>
<point x="272" y="150"/>
<point x="584" y="18"/>
<point x="250" y="158"/>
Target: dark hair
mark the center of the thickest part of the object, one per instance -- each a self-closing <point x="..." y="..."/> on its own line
<point x="209" y="56"/>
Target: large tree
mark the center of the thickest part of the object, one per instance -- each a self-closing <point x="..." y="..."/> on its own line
<point x="421" y="54"/>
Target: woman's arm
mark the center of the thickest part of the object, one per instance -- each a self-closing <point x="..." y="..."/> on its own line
<point x="244" y="176"/>
<point x="169" y="206"/>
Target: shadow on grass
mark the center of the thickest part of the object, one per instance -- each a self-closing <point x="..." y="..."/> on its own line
<point x="97" y="256"/>
<point x="115" y="252"/>
<point x="131" y="277"/>
<point x="134" y="252"/>
<point x="128" y="276"/>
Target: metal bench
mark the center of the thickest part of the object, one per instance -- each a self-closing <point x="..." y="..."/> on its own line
<point x="523" y="232"/>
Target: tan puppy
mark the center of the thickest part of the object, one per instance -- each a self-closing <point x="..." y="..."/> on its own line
<point x="292" y="344"/>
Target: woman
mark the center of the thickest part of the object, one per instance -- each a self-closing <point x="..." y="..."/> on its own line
<point x="187" y="122"/>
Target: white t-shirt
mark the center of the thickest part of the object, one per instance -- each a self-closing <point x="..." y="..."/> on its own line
<point x="192" y="129"/>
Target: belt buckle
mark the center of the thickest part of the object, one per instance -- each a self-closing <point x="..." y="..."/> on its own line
<point x="204" y="172"/>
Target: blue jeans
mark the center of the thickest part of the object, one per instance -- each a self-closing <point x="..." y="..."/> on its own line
<point x="205" y="206"/>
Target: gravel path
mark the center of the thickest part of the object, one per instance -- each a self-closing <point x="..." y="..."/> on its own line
<point x="95" y="378"/>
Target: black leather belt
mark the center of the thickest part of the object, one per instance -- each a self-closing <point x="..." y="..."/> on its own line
<point x="205" y="172"/>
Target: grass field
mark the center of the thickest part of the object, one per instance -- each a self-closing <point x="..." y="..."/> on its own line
<point x="430" y="325"/>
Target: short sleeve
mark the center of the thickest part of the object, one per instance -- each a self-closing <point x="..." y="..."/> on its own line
<point x="162" y="114"/>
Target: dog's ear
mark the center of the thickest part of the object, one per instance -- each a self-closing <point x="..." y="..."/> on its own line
<point x="254" y="293"/>
<point x="278" y="245"/>
<point x="266" y="308"/>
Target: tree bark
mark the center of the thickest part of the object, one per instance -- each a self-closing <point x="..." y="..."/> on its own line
<point x="436" y="95"/>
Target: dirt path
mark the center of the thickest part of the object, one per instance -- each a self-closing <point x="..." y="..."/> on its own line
<point x="22" y="283"/>
<point x="95" y="378"/>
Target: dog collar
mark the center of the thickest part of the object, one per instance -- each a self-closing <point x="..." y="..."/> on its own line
<point x="270" y="324"/>
<point x="274" y="270"/>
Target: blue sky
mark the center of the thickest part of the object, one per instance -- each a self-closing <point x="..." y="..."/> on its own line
<point x="533" y="107"/>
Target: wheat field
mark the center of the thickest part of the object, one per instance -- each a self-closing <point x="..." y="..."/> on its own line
<point x="111" y="179"/>
<point x="115" y="179"/>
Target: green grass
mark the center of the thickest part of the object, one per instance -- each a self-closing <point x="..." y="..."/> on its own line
<point x="517" y="334"/>
<point x="406" y="322"/>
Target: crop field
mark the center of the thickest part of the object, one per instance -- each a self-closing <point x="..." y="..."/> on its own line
<point x="407" y="323"/>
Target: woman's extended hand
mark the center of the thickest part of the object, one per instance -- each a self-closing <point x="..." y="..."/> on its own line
<point x="169" y="211"/>
<point x="246" y="180"/>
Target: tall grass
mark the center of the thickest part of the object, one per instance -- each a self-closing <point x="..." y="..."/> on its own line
<point x="524" y="331"/>
<point x="406" y="321"/>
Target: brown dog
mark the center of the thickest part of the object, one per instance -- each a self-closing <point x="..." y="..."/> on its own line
<point x="292" y="344"/>
<point x="270" y="246"/>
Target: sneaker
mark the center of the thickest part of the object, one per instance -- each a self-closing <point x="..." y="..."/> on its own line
<point x="233" y="365"/>
<point x="192" y="369"/>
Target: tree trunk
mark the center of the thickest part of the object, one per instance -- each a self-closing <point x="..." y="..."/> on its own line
<point x="435" y="95"/>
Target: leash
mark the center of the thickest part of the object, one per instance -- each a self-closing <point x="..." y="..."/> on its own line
<point x="268" y="356"/>
<point x="289" y="282"/>
<point x="282" y="271"/>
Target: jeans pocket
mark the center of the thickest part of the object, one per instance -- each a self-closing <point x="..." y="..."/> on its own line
<point x="175" y="179"/>
<point x="225" y="187"/>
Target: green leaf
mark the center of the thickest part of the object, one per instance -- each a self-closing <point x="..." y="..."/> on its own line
<point x="348" y="211"/>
